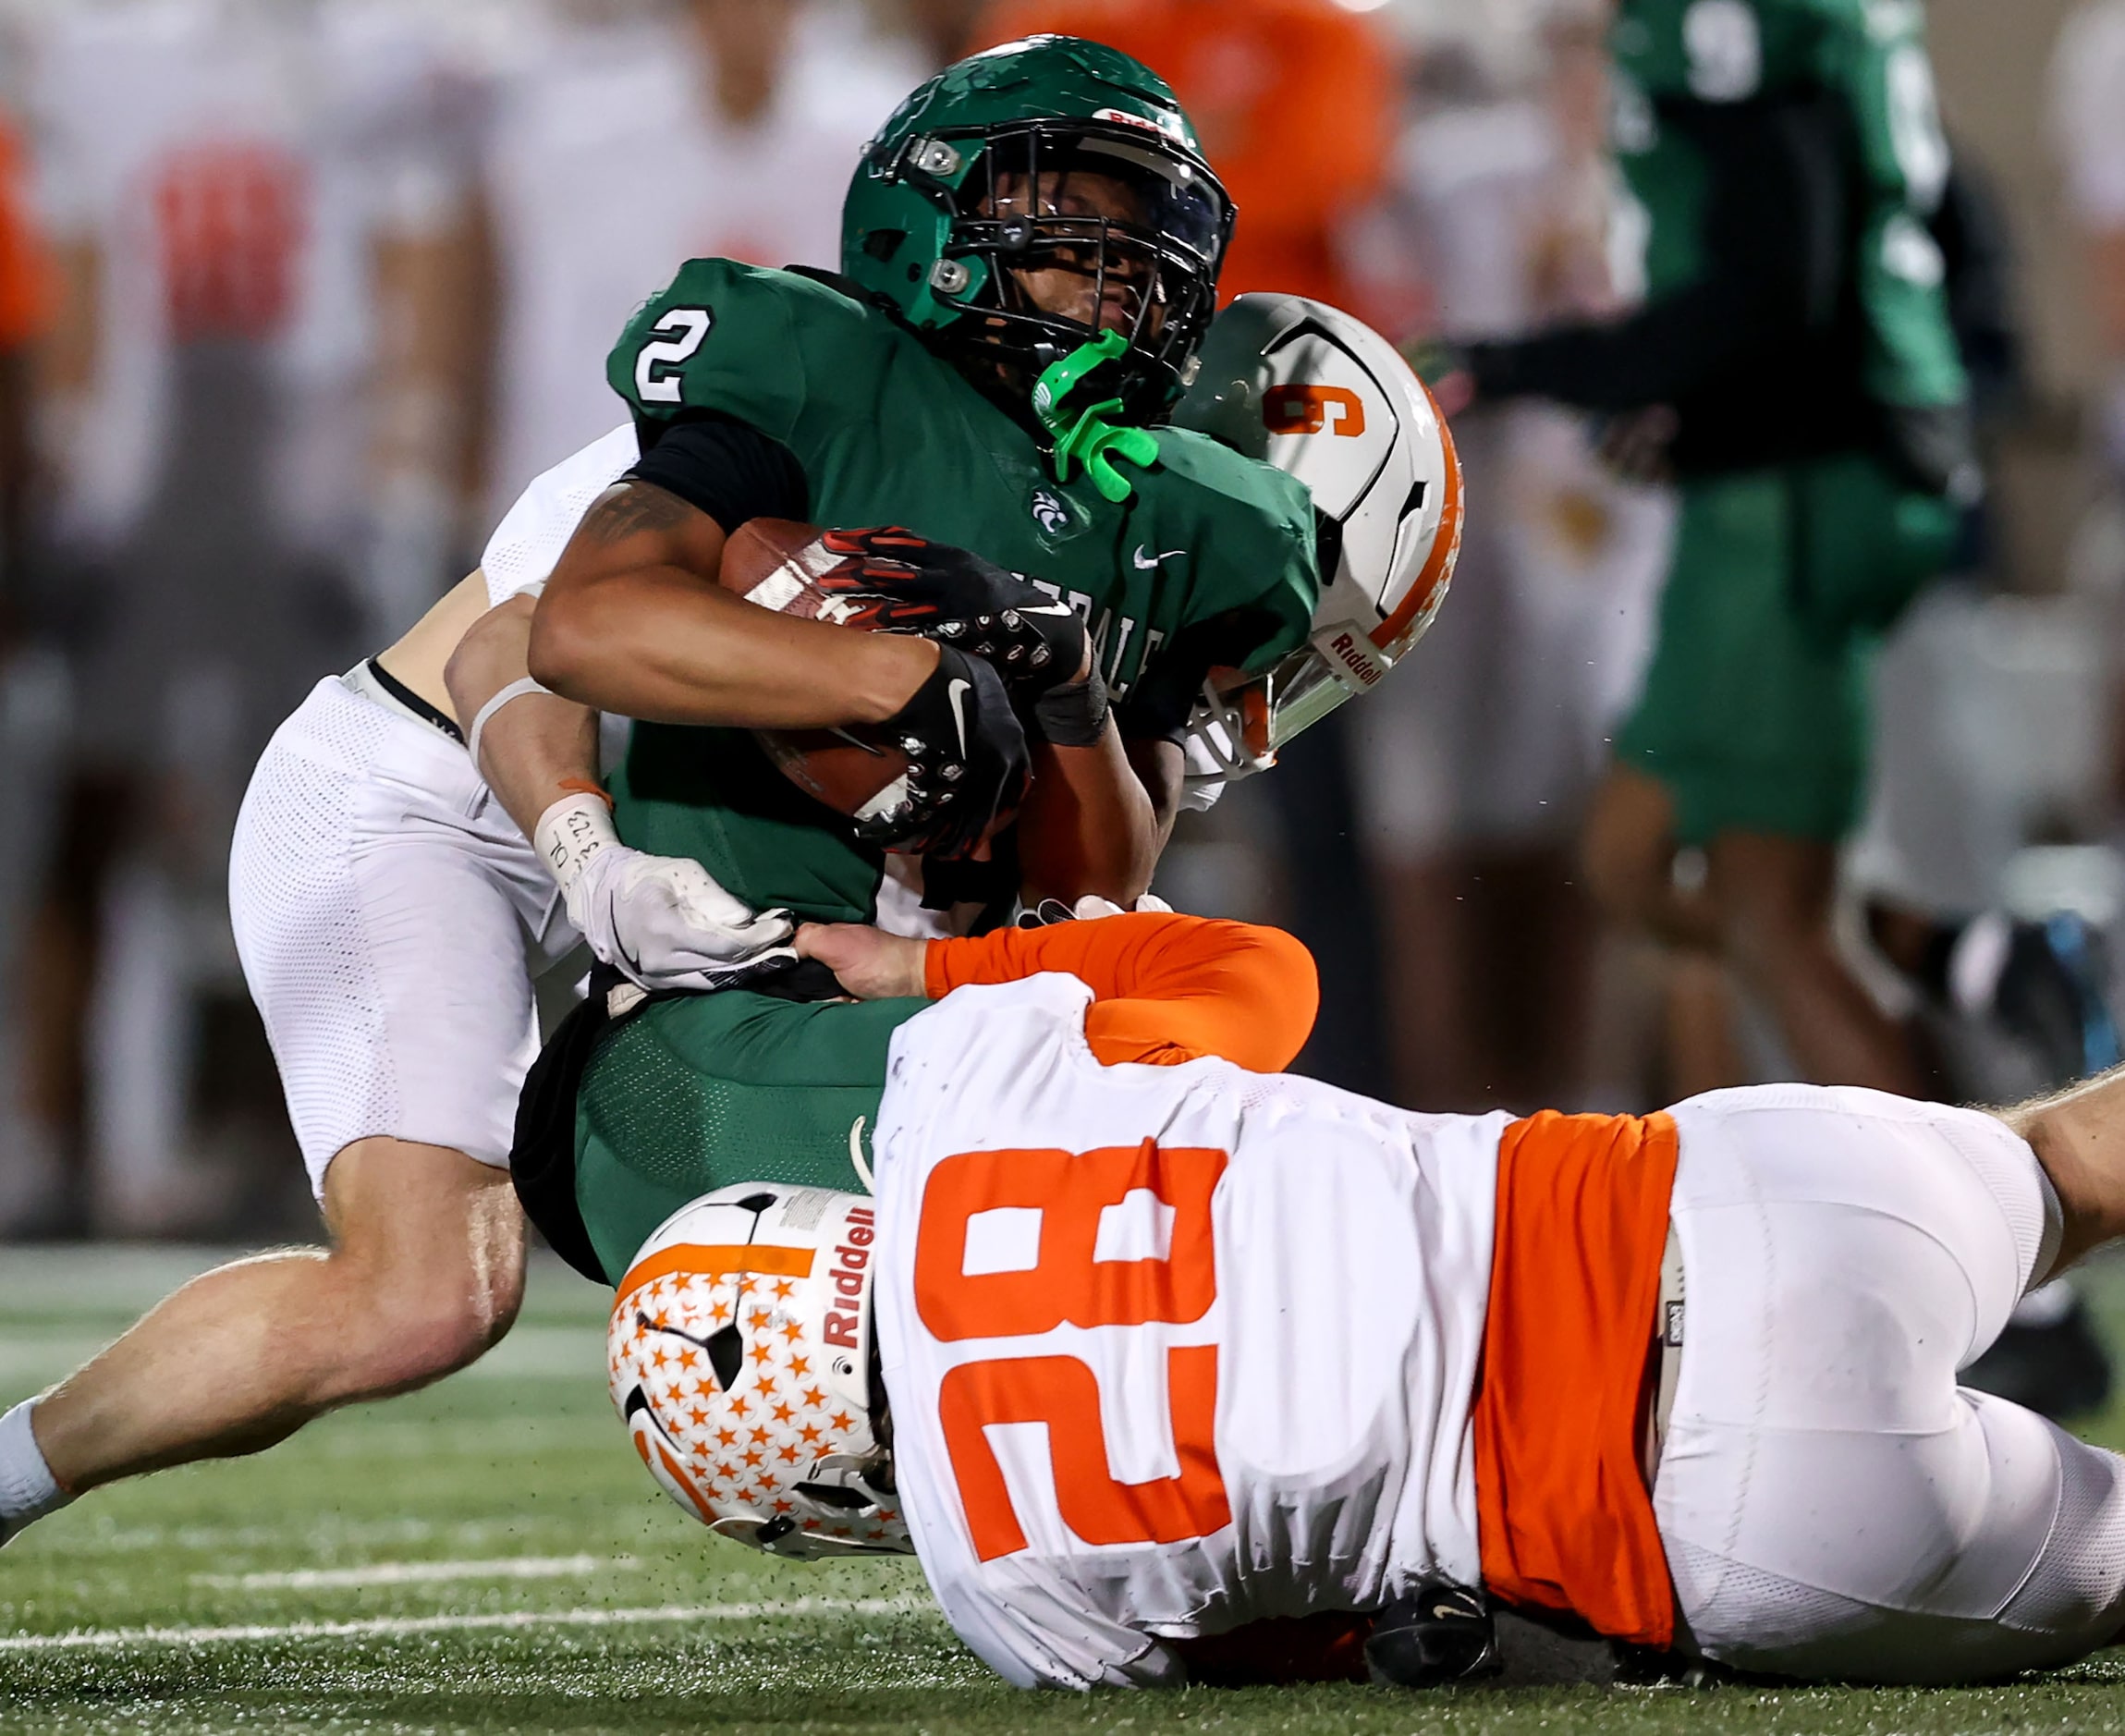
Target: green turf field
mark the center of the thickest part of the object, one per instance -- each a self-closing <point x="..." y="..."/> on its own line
<point x="490" y="1557"/>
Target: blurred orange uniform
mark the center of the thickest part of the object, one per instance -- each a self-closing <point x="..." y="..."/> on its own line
<point x="1294" y="101"/>
<point x="26" y="287"/>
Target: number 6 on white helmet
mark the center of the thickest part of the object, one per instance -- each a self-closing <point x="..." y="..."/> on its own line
<point x="1302" y="385"/>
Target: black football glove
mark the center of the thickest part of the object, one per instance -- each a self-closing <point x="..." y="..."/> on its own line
<point x="967" y="764"/>
<point x="893" y="581"/>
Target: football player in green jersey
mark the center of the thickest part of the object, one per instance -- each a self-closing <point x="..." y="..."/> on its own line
<point x="1796" y="351"/>
<point x="1031" y="254"/>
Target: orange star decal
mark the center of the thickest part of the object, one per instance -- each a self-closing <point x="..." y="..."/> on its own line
<point x="791" y="1330"/>
<point x="753" y="1456"/>
<point x="783" y="1411"/>
<point x="800" y="1366"/>
<point x="810" y="1431"/>
<point x="784" y="1290"/>
<point x="726" y="1436"/>
<point x="761" y="1353"/>
<point x="842" y="1420"/>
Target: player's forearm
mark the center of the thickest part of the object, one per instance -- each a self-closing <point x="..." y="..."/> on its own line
<point x="1089" y="826"/>
<point x="657" y="643"/>
<point x="1168" y="987"/>
<point x="2078" y="1138"/>
<point x="536" y="748"/>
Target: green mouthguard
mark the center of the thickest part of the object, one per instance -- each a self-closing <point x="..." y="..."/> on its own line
<point x="1087" y="437"/>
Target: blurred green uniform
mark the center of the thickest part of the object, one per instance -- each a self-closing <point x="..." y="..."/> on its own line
<point x="1786" y="156"/>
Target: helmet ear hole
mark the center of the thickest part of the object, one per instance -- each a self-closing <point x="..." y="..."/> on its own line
<point x="727" y="1355"/>
<point x="833" y="1495"/>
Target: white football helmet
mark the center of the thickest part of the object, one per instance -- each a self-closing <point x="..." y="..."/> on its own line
<point x="739" y="1351"/>
<point x="1302" y="385"/>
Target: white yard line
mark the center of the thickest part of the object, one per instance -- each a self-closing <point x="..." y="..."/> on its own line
<point x="419" y="1572"/>
<point x="388" y="1627"/>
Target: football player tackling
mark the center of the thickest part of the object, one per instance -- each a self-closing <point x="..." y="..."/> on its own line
<point x="1137" y="1348"/>
<point x="1033" y="253"/>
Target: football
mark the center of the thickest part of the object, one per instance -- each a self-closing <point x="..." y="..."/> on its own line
<point x="775" y="563"/>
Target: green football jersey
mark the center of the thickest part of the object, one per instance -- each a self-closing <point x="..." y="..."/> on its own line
<point x="1867" y="54"/>
<point x="888" y="433"/>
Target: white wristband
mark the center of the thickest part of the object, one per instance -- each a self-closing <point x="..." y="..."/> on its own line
<point x="516" y="689"/>
<point x="571" y="832"/>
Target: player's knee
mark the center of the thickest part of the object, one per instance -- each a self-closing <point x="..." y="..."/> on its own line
<point x="420" y="1320"/>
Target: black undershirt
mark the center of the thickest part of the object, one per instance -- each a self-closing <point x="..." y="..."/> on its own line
<point x="726" y="468"/>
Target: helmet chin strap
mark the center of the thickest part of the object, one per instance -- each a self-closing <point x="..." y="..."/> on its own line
<point x="1086" y="438"/>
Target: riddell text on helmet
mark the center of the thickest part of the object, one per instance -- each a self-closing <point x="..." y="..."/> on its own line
<point x="1355" y="655"/>
<point x="849" y="1259"/>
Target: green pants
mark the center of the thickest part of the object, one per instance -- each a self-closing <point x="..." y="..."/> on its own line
<point x="694" y="1094"/>
<point x="1753" y="713"/>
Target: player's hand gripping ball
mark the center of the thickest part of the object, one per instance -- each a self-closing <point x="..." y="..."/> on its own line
<point x="940" y="777"/>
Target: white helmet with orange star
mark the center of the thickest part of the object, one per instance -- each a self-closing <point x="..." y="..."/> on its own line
<point x="740" y="1356"/>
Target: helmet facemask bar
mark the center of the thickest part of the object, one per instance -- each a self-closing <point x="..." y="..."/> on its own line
<point x="1158" y="256"/>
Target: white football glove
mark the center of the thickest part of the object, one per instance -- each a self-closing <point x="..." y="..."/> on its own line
<point x="662" y="922"/>
<point x="1092" y="907"/>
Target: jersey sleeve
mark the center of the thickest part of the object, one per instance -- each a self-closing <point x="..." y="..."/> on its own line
<point x="734" y="340"/>
<point x="1877" y="63"/>
<point x="519" y="557"/>
<point x="1252" y="597"/>
<point x="1167" y="988"/>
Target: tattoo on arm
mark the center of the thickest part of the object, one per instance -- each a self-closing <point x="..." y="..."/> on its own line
<point x="629" y="508"/>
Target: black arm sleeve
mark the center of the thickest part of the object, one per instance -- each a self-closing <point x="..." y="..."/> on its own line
<point x="726" y="468"/>
<point x="1772" y="257"/>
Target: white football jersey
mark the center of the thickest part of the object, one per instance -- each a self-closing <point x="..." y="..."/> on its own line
<point x="1169" y="1349"/>
<point x="519" y="557"/>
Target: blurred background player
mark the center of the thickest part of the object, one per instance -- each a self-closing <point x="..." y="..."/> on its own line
<point x="30" y="1187"/>
<point x="1795" y="366"/>
<point x="626" y="136"/>
<point x="242" y="381"/>
<point x="1473" y="776"/>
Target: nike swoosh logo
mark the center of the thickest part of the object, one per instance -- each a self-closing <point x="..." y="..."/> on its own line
<point x="1045" y="608"/>
<point x="1145" y="561"/>
<point x="956" y="691"/>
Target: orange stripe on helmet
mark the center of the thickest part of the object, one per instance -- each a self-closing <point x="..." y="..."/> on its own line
<point x="677" y="1472"/>
<point x="718" y="1262"/>
<point x="1446" y="545"/>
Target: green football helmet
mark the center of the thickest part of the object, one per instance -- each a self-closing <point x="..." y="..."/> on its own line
<point x="1054" y="155"/>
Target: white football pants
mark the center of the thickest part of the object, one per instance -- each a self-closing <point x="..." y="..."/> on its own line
<point x="1832" y="1503"/>
<point x="390" y="918"/>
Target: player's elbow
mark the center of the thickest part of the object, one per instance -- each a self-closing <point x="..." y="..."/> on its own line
<point x="1287" y="987"/>
<point x="561" y="652"/>
<point x="489" y="656"/>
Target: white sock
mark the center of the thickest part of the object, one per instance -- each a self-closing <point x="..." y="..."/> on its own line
<point x="28" y="1488"/>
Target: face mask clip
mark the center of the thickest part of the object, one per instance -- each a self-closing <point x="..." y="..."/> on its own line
<point x="1087" y="437"/>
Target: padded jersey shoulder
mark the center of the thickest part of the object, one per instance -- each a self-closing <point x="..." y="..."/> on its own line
<point x="771" y="348"/>
<point x="1258" y="533"/>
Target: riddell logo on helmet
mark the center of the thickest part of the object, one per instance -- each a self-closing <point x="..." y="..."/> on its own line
<point x="1352" y="654"/>
<point x="1168" y="124"/>
<point x="851" y="1255"/>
